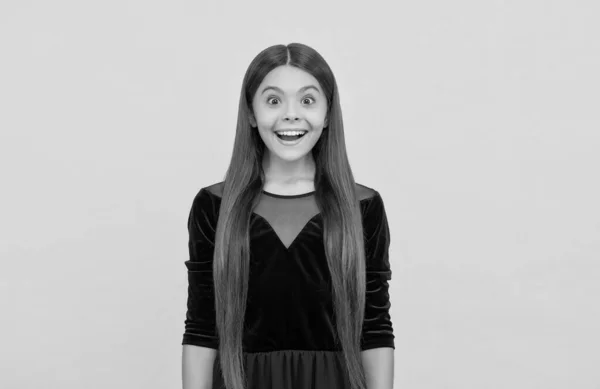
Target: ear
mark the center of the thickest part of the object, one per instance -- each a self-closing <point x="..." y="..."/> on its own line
<point x="326" y="122"/>
<point x="252" y="120"/>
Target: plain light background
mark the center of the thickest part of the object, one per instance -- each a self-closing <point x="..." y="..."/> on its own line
<point x="477" y="121"/>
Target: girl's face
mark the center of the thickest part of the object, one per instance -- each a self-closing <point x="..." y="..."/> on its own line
<point x="289" y="98"/>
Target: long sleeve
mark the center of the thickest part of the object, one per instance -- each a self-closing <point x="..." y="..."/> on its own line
<point x="377" y="328"/>
<point x="200" y="324"/>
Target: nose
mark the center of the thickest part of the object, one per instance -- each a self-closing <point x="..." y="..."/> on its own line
<point x="291" y="118"/>
<point x="290" y="114"/>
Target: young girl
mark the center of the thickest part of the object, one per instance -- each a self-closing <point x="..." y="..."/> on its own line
<point x="288" y="270"/>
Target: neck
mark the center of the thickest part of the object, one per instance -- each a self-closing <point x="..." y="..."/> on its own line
<point x="288" y="172"/>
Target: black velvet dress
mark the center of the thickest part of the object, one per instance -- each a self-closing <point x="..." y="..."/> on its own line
<point x="289" y="326"/>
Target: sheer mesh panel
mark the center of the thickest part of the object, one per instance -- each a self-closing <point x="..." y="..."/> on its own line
<point x="287" y="215"/>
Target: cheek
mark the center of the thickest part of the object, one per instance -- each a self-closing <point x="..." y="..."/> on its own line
<point x="266" y="118"/>
<point x="317" y="119"/>
<point x="317" y="115"/>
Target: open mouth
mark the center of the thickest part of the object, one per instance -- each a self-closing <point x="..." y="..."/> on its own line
<point x="290" y="138"/>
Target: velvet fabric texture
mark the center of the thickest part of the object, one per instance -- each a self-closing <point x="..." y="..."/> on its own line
<point x="289" y="327"/>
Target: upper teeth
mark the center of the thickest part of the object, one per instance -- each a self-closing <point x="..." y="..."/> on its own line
<point x="291" y="133"/>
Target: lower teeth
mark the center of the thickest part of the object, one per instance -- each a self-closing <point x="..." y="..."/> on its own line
<point x="289" y="138"/>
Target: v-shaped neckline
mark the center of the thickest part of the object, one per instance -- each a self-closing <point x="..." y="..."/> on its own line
<point x="272" y="230"/>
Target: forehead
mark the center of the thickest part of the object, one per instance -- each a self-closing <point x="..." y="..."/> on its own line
<point x="289" y="78"/>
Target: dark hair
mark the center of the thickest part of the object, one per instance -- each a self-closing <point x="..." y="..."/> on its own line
<point x="336" y="197"/>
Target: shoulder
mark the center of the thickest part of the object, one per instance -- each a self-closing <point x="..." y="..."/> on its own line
<point x="364" y="192"/>
<point x="368" y="197"/>
<point x="209" y="194"/>
<point x="375" y="222"/>
<point x="215" y="189"/>
<point x="206" y="202"/>
<point x="372" y="209"/>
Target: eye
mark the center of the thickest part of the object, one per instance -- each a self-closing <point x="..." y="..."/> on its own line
<point x="271" y="98"/>
<point x="308" y="98"/>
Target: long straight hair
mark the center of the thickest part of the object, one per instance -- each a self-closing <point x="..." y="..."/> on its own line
<point x="336" y="197"/>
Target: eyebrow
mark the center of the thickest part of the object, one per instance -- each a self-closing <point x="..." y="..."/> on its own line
<point x="299" y="91"/>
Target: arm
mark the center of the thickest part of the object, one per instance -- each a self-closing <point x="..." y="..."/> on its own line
<point x="379" y="367"/>
<point x="377" y="346"/>
<point x="200" y="340"/>
<point x="197" y="367"/>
